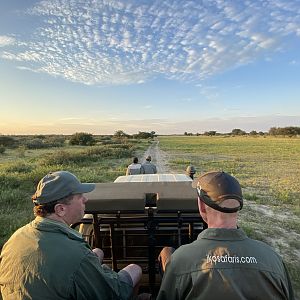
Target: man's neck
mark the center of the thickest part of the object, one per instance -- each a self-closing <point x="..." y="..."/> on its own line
<point x="57" y="218"/>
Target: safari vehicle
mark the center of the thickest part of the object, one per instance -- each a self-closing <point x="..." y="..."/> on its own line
<point x="133" y="218"/>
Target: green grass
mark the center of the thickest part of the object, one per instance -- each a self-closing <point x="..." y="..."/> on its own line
<point x="269" y="166"/>
<point x="268" y="169"/>
<point x="19" y="174"/>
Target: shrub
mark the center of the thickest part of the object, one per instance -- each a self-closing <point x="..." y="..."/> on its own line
<point x="82" y="138"/>
<point x="2" y="149"/>
<point x="21" y="151"/>
<point x="35" y="144"/>
<point x="61" y="158"/>
<point x="7" y="141"/>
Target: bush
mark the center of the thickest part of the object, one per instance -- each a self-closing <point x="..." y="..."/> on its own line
<point x="35" y="144"/>
<point x="83" y="139"/>
<point x="21" y="150"/>
<point x="2" y="149"/>
<point x="7" y="141"/>
<point x="61" y="158"/>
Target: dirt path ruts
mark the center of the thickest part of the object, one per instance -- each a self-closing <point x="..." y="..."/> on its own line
<point x="159" y="157"/>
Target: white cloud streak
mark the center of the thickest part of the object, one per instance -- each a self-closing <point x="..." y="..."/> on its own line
<point x="6" y="40"/>
<point x="101" y="42"/>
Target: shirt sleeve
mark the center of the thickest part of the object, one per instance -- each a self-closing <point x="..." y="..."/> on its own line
<point x="290" y="291"/>
<point x="168" y="288"/>
<point x="92" y="281"/>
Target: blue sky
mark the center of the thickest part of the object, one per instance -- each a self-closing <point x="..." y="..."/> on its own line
<point x="139" y="65"/>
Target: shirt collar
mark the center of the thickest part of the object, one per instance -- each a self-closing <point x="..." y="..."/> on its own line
<point x="52" y="225"/>
<point x="222" y="234"/>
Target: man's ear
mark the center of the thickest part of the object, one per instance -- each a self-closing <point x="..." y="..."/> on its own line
<point x="201" y="206"/>
<point x="60" y="209"/>
<point x="202" y="210"/>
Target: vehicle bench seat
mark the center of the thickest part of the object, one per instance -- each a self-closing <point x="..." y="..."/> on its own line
<point x="133" y="196"/>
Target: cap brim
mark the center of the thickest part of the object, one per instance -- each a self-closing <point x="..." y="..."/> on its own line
<point x="85" y="188"/>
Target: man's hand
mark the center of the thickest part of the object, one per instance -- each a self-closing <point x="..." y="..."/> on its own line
<point x="99" y="253"/>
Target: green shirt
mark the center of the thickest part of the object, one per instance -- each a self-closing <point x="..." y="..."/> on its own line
<point x="46" y="259"/>
<point x="225" y="264"/>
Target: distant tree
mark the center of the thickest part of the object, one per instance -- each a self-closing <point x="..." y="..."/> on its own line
<point x="210" y="133"/>
<point x="289" y="131"/>
<point x="273" y="131"/>
<point x="144" y="135"/>
<point x="82" y="138"/>
<point x="152" y="134"/>
<point x="121" y="134"/>
<point x="253" y="132"/>
<point x="238" y="131"/>
<point x="185" y="133"/>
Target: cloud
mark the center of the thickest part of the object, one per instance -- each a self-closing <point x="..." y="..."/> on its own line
<point x="116" y="42"/>
<point x="6" y="40"/>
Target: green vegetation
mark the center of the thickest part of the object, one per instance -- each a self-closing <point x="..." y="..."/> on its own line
<point x="82" y="138"/>
<point x="21" y="168"/>
<point x="269" y="171"/>
<point x="268" y="168"/>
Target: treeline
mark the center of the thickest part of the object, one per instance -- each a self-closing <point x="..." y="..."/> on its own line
<point x="79" y="138"/>
<point x="275" y="131"/>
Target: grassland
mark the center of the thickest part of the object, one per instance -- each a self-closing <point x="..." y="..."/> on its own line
<point x="21" y="169"/>
<point x="269" y="171"/>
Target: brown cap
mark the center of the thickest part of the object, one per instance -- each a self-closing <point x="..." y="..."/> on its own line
<point x="215" y="187"/>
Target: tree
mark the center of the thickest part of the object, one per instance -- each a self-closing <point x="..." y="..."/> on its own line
<point x="82" y="138"/>
<point x="238" y="131"/>
<point x="290" y="131"/>
<point x="121" y="134"/>
<point x="253" y="132"/>
<point x="210" y="133"/>
<point x="144" y="135"/>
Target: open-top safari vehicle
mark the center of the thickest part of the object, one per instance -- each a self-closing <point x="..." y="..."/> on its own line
<point x="132" y="219"/>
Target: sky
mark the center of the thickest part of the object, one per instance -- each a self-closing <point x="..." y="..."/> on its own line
<point x="169" y="66"/>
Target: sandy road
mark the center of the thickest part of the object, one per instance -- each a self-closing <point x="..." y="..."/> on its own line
<point x="159" y="157"/>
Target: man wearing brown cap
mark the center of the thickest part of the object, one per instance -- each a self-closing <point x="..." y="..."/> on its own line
<point x="46" y="259"/>
<point x="223" y="263"/>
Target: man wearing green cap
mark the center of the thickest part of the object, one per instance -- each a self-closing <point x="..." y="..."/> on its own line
<point x="46" y="259"/>
<point x="223" y="263"/>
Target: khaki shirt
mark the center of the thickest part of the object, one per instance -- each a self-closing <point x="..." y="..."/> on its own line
<point x="149" y="168"/>
<point x="225" y="264"/>
<point x="46" y="259"/>
<point x="134" y="169"/>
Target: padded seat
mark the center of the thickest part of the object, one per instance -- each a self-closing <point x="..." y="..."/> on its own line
<point x="131" y="197"/>
<point x="107" y="197"/>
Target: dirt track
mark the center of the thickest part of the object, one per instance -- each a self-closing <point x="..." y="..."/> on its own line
<point x="159" y="158"/>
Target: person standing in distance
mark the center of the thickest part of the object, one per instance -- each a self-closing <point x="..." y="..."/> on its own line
<point x="190" y="171"/>
<point x="46" y="259"/>
<point x="223" y="263"/>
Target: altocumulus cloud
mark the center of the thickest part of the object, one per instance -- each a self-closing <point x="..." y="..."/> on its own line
<point x="101" y="42"/>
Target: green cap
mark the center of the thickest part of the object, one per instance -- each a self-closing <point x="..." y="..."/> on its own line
<point x="57" y="185"/>
<point x="215" y="187"/>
